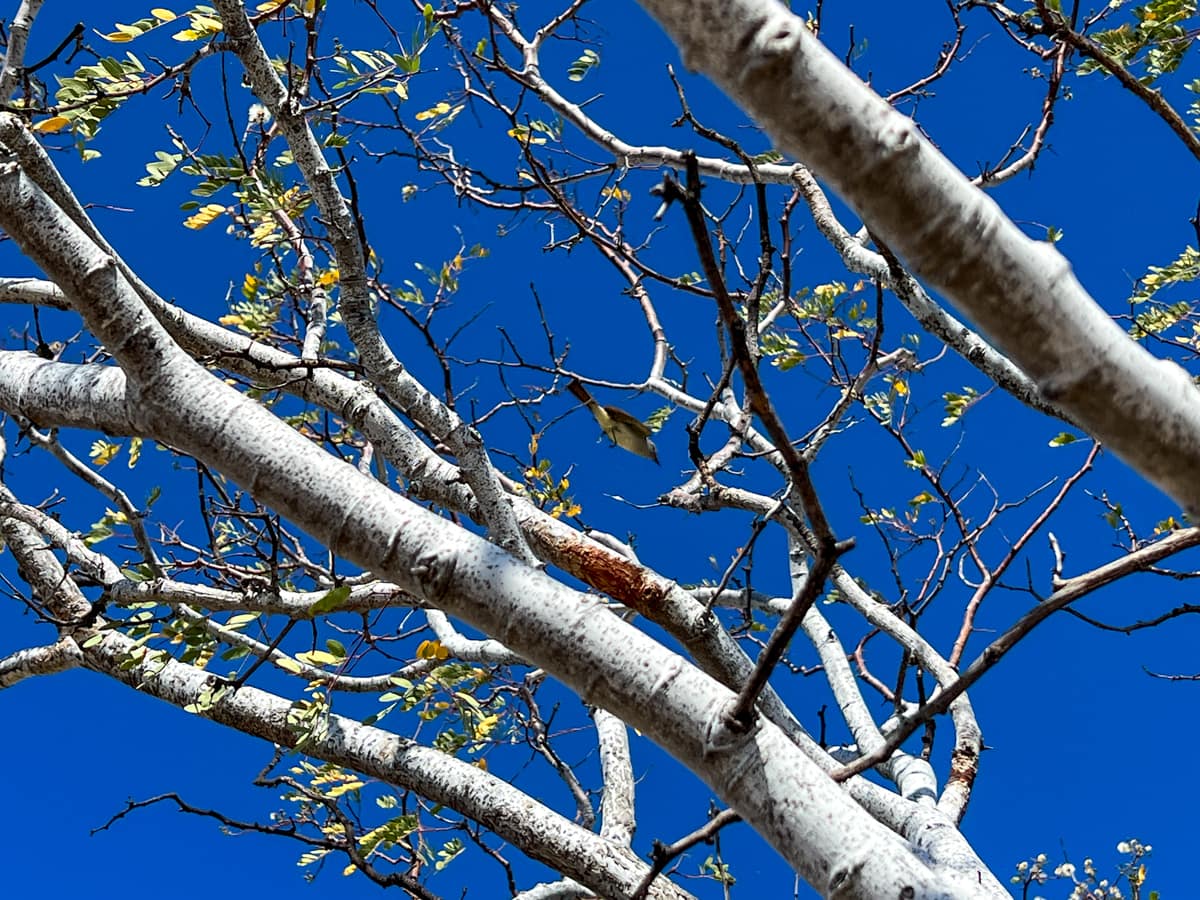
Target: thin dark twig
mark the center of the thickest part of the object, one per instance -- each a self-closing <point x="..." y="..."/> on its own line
<point x="1058" y="28"/>
<point x="1067" y="593"/>
<point x="664" y="853"/>
<point x="826" y="547"/>
<point x="75" y="33"/>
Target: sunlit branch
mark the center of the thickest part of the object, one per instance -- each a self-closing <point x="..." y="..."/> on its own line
<point x="133" y="516"/>
<point x="14" y="58"/>
<point x="460" y="647"/>
<point x="1006" y="170"/>
<point x="358" y="317"/>
<point x="1022" y="292"/>
<point x="60" y="656"/>
<point x="1058" y="28"/>
<point x="285" y="662"/>
<point x="617" y="817"/>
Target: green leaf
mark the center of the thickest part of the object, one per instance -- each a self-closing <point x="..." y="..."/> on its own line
<point x="958" y="404"/>
<point x="1113" y="516"/>
<point x="449" y="851"/>
<point x="331" y="601"/>
<point x="921" y="499"/>
<point x="578" y="70"/>
<point x="1158" y="318"/>
<point x="659" y="417"/>
<point x="767" y="157"/>
<point x="1062" y="439"/>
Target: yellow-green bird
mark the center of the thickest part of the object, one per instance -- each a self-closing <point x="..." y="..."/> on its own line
<point x="623" y="429"/>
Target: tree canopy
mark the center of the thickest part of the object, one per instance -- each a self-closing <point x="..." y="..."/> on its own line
<point x="566" y="457"/>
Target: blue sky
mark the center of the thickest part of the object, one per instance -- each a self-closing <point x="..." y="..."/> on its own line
<point x="1078" y="734"/>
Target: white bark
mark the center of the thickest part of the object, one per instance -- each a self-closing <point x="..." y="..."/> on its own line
<point x="604" y="867"/>
<point x="817" y="827"/>
<point x="18" y="37"/>
<point x="856" y="840"/>
<point x="1021" y="292"/>
<point x="618" y="820"/>
<point x="63" y="654"/>
<point x="387" y="372"/>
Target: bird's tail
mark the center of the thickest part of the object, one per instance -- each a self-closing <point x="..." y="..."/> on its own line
<point x="575" y="386"/>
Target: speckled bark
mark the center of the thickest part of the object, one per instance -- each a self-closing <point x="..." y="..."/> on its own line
<point x="831" y="840"/>
<point x="1021" y="292"/>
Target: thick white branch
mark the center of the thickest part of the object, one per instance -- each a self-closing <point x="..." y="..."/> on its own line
<point x="1021" y="292"/>
<point x="355" y="304"/>
<point x="543" y="834"/>
<point x="762" y="774"/>
<point x="618" y="820"/>
<point x="57" y="657"/>
<point x="18" y="37"/>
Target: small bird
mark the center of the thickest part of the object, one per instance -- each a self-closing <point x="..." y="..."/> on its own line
<point x="622" y="429"/>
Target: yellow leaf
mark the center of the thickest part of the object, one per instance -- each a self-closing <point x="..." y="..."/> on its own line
<point x="163" y="15"/>
<point x="328" y="277"/>
<point x="346" y="788"/>
<point x="264" y="233"/>
<point x="485" y="726"/>
<point x="203" y="216"/>
<point x="522" y="134"/>
<point x="350" y="869"/>
<point x="103" y="452"/>
<point x="434" y="111"/>
<point x="117" y="37"/>
<point x="318" y="658"/>
<point x="432" y="650"/>
<point x="207" y="23"/>
<point x="51" y="125"/>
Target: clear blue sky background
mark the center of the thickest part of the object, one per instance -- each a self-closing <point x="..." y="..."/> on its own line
<point x="1082" y="742"/>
